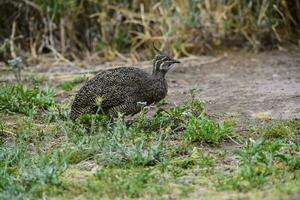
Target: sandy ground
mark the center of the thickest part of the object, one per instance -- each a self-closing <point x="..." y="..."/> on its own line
<point x="247" y="86"/>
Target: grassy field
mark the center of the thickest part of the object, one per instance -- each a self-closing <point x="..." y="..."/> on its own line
<point x="177" y="153"/>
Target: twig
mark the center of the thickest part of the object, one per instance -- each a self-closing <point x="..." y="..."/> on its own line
<point x="234" y="140"/>
<point x="12" y="37"/>
<point x="31" y="40"/>
<point x="62" y="35"/>
<point x="50" y="41"/>
<point x="33" y="5"/>
<point x="147" y="64"/>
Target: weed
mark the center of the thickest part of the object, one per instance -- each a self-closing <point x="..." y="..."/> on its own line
<point x="172" y="118"/>
<point x="133" y="183"/>
<point x="200" y="128"/>
<point x="261" y="160"/>
<point x="69" y="85"/>
<point x="24" y="175"/>
<point x="129" y="146"/>
<point x="279" y="130"/>
<point x="180" y="165"/>
<point x="38" y="78"/>
<point x="20" y="99"/>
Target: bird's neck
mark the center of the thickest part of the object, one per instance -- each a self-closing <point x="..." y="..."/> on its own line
<point x="159" y="75"/>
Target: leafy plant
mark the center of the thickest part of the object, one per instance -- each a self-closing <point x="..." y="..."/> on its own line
<point x="128" y="146"/>
<point x="279" y="130"/>
<point x="20" y="99"/>
<point x="131" y="182"/>
<point x="200" y="128"/>
<point x="69" y="85"/>
<point x="259" y="161"/>
<point x="23" y="175"/>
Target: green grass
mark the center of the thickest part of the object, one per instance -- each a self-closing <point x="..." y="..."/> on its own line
<point x="20" y="99"/>
<point x="177" y="153"/>
<point x="263" y="162"/>
<point x="281" y="130"/>
<point x="69" y="85"/>
<point x="202" y="129"/>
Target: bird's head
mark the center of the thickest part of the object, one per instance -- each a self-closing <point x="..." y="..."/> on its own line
<point x="162" y="63"/>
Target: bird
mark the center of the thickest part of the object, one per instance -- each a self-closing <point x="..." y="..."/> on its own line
<point x="124" y="90"/>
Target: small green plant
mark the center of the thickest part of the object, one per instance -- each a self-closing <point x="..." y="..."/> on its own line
<point x="38" y="78"/>
<point x="172" y="118"/>
<point x="20" y="99"/>
<point x="69" y="85"/>
<point x="130" y="146"/>
<point x="24" y="175"/>
<point x="132" y="182"/>
<point x="202" y="129"/>
<point x="280" y="130"/>
<point x="260" y="161"/>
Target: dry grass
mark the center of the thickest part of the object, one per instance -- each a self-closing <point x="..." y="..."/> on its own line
<point x="72" y="29"/>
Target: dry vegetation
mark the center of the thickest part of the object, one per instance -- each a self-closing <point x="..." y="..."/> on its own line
<point x="73" y="29"/>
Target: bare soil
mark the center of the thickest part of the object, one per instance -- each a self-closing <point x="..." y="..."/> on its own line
<point x="243" y="85"/>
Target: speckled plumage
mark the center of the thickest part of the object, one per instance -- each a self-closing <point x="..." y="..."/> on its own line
<point x="123" y="89"/>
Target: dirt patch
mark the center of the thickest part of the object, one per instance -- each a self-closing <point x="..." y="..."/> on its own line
<point x="244" y="85"/>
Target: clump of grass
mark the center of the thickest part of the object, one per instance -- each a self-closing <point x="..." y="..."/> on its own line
<point x="20" y="99"/>
<point x="124" y="145"/>
<point x="38" y="78"/>
<point x="179" y="165"/>
<point x="202" y="129"/>
<point x="260" y="162"/>
<point x="172" y="118"/>
<point x="25" y="176"/>
<point x="69" y="85"/>
<point x="280" y="130"/>
<point x="276" y="131"/>
<point x="132" y="182"/>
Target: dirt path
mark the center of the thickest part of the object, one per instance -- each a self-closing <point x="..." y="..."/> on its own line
<point x="244" y="85"/>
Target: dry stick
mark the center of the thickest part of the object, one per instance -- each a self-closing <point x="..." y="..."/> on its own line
<point x="146" y="64"/>
<point x="62" y="35"/>
<point x="50" y="42"/>
<point x="237" y="143"/>
<point x="11" y="41"/>
<point x="35" y="6"/>
<point x="31" y="40"/>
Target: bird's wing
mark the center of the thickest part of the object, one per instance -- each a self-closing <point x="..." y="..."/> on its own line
<point x="113" y="86"/>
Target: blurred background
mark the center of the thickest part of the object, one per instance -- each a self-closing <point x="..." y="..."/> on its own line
<point x="126" y="29"/>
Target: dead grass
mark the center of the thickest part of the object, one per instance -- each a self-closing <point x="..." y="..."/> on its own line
<point x="73" y="29"/>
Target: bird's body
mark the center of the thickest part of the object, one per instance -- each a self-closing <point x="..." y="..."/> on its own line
<point x="121" y="90"/>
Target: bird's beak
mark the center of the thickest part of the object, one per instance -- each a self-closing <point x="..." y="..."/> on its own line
<point x="175" y="61"/>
